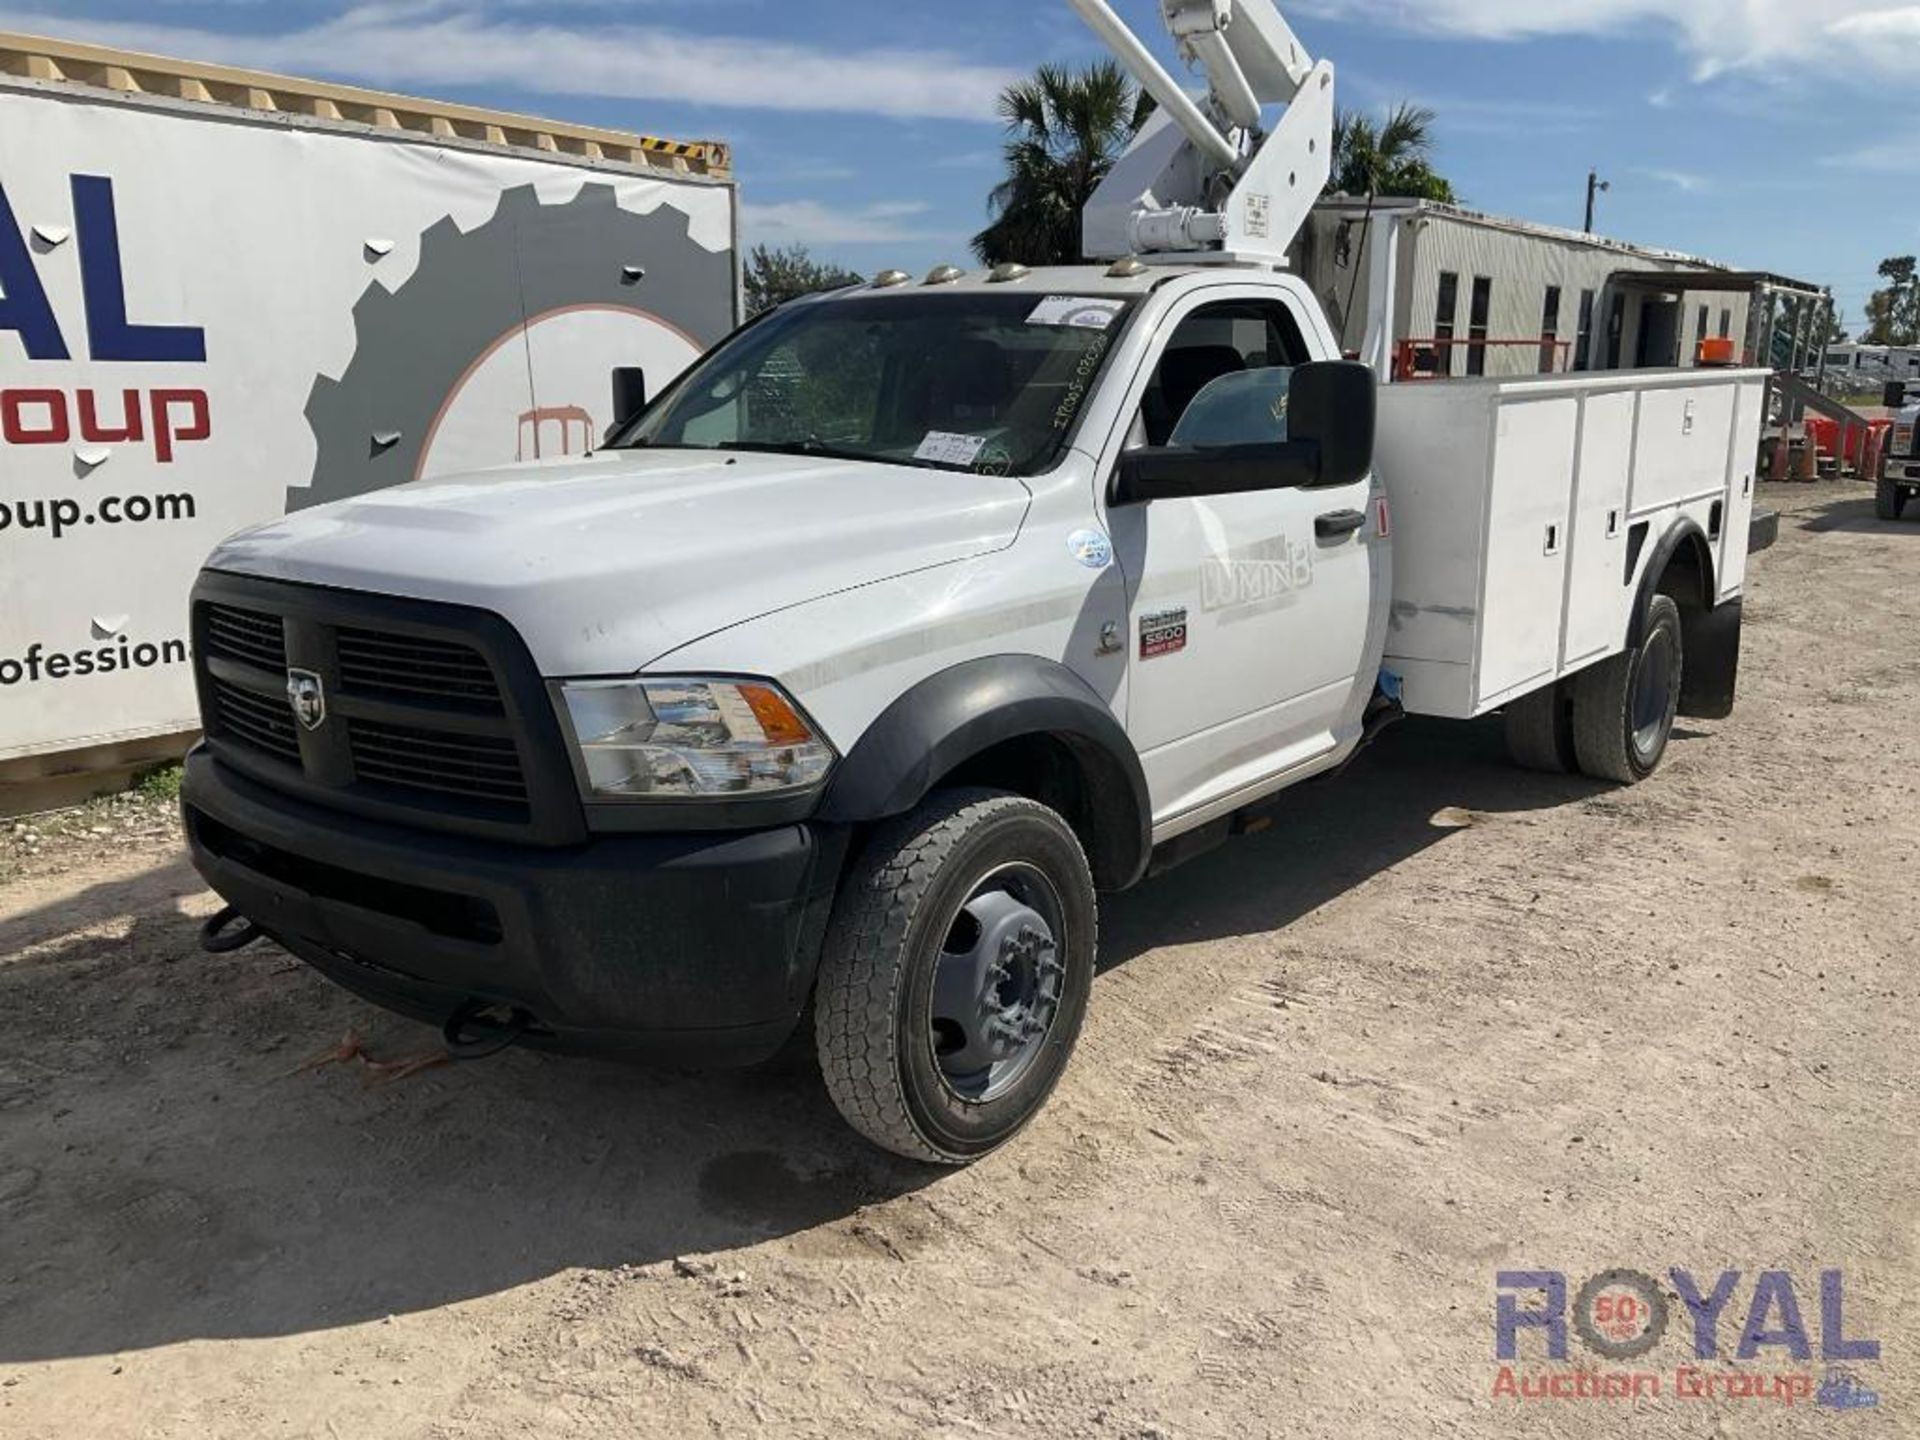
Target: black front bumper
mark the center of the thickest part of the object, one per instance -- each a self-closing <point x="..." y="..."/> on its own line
<point x="689" y="949"/>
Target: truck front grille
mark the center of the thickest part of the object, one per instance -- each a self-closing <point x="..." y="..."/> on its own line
<point x="407" y="667"/>
<point x="438" y="762"/>
<point x="246" y="636"/>
<point x="254" y="720"/>
<point x="425" y="715"/>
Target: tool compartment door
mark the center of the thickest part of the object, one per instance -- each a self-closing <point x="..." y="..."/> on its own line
<point x="1743" y="473"/>
<point x="1596" y="570"/>
<point x="1535" y="441"/>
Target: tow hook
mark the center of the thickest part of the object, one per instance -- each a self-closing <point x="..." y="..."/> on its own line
<point x="476" y="1030"/>
<point x="227" y="932"/>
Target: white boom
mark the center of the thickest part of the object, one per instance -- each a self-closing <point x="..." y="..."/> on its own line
<point x="1205" y="180"/>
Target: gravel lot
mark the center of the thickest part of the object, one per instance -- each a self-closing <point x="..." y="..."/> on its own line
<point x="1445" y="1019"/>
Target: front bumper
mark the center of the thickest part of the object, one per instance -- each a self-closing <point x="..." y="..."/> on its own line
<point x="1904" y="472"/>
<point x="688" y="949"/>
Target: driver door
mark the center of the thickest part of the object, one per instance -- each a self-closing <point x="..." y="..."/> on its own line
<point x="1249" y="613"/>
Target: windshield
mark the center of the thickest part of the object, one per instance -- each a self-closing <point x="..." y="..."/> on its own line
<point x="989" y="383"/>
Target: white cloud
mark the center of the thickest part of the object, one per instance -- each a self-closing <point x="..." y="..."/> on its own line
<point x="808" y="222"/>
<point x="1719" y="35"/>
<point x="1895" y="158"/>
<point x="1682" y="180"/>
<point x="429" y="44"/>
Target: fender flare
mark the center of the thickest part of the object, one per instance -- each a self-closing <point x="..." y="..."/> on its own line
<point x="1709" y="632"/>
<point x="1682" y="532"/>
<point x="957" y="714"/>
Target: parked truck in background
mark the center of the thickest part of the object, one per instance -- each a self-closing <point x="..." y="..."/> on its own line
<point x="227" y="295"/>
<point x="837" y="687"/>
<point x="1899" y="477"/>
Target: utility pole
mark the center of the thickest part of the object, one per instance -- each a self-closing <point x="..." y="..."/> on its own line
<point x="1595" y="187"/>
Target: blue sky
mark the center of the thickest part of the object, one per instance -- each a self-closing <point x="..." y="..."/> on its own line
<point x="1771" y="134"/>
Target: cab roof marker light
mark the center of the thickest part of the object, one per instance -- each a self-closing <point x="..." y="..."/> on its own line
<point x="891" y="279"/>
<point x="945" y="275"/>
<point x="1127" y="269"/>
<point x="1008" y="273"/>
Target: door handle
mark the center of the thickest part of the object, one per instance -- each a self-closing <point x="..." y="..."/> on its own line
<point x="1339" y="523"/>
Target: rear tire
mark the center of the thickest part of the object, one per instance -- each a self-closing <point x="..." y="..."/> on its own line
<point x="1889" y="499"/>
<point x="1540" y="732"/>
<point x="958" y="964"/>
<point x="1624" y="708"/>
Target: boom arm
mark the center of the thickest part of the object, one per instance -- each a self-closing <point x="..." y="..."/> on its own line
<point x="1203" y="180"/>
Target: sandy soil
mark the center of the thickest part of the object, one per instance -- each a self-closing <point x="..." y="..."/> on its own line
<point x="1446" y="1019"/>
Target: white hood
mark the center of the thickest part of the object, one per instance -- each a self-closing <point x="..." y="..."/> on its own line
<point x="605" y="564"/>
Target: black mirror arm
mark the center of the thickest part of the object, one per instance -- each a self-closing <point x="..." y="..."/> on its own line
<point x="1189" y="470"/>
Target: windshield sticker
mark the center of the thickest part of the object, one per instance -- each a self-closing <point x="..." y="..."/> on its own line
<point x="944" y="448"/>
<point x="994" y="460"/>
<point x="1077" y="312"/>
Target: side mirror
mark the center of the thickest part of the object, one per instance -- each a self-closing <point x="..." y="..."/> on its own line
<point x="629" y="397"/>
<point x="1333" y="405"/>
<point x="1326" y="413"/>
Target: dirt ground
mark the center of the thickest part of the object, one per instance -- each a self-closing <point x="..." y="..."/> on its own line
<point x="1446" y="1019"/>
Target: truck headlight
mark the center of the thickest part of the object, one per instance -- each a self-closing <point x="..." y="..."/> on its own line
<point x="691" y="738"/>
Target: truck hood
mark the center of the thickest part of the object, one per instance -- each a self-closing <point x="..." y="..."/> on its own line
<point x="607" y="563"/>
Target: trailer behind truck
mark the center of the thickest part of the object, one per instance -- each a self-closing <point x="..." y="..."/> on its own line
<point x="229" y="295"/>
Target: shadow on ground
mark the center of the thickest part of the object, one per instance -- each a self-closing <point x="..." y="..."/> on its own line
<point x="1858" y="517"/>
<point x="167" y="1173"/>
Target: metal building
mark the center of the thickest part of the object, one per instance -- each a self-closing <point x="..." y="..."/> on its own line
<point x="1481" y="294"/>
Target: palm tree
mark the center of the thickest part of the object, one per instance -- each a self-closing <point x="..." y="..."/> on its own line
<point x="1067" y="129"/>
<point x="1392" y="157"/>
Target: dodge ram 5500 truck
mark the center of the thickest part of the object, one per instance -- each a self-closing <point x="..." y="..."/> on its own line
<point x="837" y="686"/>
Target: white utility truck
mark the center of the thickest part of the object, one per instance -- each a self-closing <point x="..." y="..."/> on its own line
<point x="838" y="684"/>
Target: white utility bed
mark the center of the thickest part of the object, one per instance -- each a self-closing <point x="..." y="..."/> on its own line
<point x="1523" y="511"/>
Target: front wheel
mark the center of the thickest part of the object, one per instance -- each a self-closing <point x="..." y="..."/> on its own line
<point x="1624" y="708"/>
<point x="956" y="973"/>
<point x="1889" y="499"/>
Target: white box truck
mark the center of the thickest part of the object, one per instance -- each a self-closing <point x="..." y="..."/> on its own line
<point x="833" y="690"/>
<point x="224" y="295"/>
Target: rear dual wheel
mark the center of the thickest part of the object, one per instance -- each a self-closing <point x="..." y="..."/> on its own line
<point x="957" y="968"/>
<point x="1613" y="721"/>
<point x="1624" y="708"/>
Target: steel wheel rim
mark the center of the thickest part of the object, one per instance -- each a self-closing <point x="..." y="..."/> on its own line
<point x="999" y="979"/>
<point x="1653" y="692"/>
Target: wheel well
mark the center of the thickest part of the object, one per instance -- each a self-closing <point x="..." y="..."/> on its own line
<point x="1068" y="775"/>
<point x="1688" y="575"/>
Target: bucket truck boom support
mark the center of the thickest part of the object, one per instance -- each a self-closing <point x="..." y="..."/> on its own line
<point x="1205" y="180"/>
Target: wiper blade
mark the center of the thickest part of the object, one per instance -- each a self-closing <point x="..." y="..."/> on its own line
<point x="809" y="446"/>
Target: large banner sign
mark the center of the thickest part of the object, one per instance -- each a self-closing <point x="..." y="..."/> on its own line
<point x="206" y="321"/>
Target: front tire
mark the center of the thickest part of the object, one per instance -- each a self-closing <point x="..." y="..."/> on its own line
<point x="958" y="964"/>
<point x="1624" y="708"/>
<point x="1889" y="499"/>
